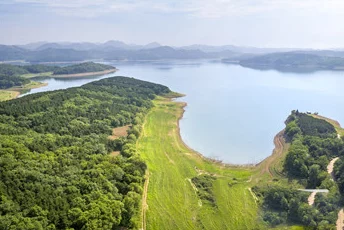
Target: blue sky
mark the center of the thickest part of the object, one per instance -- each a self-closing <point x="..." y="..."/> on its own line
<point x="261" y="23"/>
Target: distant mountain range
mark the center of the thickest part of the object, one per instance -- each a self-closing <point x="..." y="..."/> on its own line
<point x="111" y="50"/>
<point x="237" y="49"/>
<point x="116" y="50"/>
<point x="88" y="46"/>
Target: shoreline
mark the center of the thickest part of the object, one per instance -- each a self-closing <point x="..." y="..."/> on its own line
<point x="87" y="74"/>
<point x="218" y="162"/>
<point x="17" y="91"/>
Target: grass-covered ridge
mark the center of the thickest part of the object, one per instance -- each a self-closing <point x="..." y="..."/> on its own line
<point x="55" y="167"/>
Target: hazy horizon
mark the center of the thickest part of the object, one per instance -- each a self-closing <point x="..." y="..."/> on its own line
<point x="254" y="23"/>
<point x="142" y="44"/>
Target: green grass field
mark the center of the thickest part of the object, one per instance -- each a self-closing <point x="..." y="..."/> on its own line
<point x="6" y="95"/>
<point x="14" y="92"/>
<point x="172" y="201"/>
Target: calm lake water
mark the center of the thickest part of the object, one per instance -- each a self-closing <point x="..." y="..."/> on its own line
<point x="233" y="113"/>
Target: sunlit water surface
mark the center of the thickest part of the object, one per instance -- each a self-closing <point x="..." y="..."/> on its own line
<point x="233" y="113"/>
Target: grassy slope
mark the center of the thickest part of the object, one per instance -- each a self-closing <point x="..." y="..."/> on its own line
<point x="14" y="92"/>
<point x="172" y="201"/>
<point x="8" y="95"/>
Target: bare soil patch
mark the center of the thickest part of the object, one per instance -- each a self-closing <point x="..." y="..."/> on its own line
<point x="115" y="153"/>
<point x="119" y="132"/>
<point x="311" y="198"/>
<point x="330" y="167"/>
<point x="340" y="220"/>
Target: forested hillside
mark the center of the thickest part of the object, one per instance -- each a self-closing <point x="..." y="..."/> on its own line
<point x="313" y="144"/>
<point x="83" y="68"/>
<point x="55" y="167"/>
<point x="294" y="60"/>
<point x="15" y="75"/>
<point x="12" y="81"/>
<point x="16" y="70"/>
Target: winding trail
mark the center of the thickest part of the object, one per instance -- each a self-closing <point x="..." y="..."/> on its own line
<point x="340" y="220"/>
<point x="313" y="192"/>
<point x="144" y="201"/>
<point x="311" y="198"/>
<point x="330" y="167"/>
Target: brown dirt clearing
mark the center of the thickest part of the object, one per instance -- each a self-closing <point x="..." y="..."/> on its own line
<point x="119" y="132"/>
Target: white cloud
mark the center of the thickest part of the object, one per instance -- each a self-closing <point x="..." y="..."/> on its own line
<point x="196" y="8"/>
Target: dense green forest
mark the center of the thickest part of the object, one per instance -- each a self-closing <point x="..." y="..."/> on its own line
<point x="12" y="81"/>
<point x="314" y="143"/>
<point x="17" y="70"/>
<point x="83" y="68"/>
<point x="11" y="75"/>
<point x="55" y="167"/>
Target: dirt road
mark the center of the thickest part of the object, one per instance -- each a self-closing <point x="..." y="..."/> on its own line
<point x="144" y="201"/>
<point x="330" y="167"/>
<point x="311" y="198"/>
<point x="340" y="220"/>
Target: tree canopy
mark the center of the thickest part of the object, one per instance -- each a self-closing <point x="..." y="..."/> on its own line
<point x="83" y="68"/>
<point x="55" y="167"/>
<point x="313" y="143"/>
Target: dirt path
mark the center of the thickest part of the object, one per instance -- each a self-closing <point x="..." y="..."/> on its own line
<point x="313" y="192"/>
<point x="311" y="198"/>
<point x="340" y="220"/>
<point x="330" y="167"/>
<point x="144" y="201"/>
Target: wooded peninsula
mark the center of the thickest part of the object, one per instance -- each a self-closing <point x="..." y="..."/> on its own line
<point x="15" y="79"/>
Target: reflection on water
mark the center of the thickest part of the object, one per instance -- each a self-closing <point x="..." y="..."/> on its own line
<point x="233" y="112"/>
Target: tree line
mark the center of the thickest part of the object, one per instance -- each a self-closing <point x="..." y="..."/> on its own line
<point x="55" y="167"/>
<point x="313" y="143"/>
<point x="11" y="75"/>
<point x="83" y="68"/>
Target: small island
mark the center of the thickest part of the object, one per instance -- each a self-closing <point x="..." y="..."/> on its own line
<point x="16" y="79"/>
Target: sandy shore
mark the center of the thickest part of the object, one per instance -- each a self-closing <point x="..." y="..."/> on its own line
<point x="191" y="150"/>
<point x="17" y="91"/>
<point x="88" y="74"/>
